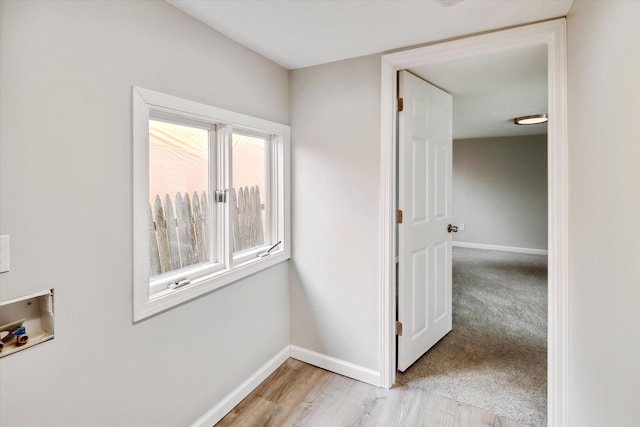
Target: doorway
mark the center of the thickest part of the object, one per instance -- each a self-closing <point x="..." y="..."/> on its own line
<point x="494" y="354"/>
<point x="552" y="35"/>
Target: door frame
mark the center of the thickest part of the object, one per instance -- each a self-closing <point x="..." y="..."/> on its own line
<point x="553" y="35"/>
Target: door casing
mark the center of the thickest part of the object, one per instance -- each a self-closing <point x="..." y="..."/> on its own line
<point x="553" y="35"/>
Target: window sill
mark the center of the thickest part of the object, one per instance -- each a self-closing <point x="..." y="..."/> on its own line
<point x="151" y="305"/>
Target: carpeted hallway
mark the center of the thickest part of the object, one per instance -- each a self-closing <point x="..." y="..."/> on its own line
<point x="495" y="356"/>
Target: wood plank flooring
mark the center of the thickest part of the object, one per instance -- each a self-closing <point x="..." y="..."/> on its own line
<point x="301" y="395"/>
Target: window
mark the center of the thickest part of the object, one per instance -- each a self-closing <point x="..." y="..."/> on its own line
<point x="210" y="199"/>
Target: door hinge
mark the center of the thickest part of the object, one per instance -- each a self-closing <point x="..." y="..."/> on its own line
<point x="398" y="328"/>
<point x="400" y="104"/>
<point x="399" y="216"/>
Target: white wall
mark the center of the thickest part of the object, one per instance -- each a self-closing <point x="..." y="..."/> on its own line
<point x="500" y="191"/>
<point x="335" y="125"/>
<point x="604" y="233"/>
<point x="66" y="72"/>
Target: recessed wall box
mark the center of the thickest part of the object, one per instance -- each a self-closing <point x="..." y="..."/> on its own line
<point x="25" y="322"/>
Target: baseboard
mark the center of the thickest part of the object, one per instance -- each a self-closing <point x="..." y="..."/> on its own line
<point x="338" y="366"/>
<point x="348" y="369"/>
<point x="216" y="413"/>
<point x="501" y="248"/>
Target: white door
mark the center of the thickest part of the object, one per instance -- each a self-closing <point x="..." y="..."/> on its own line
<point x="424" y="196"/>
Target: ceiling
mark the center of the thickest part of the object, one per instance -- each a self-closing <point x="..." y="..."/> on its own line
<point x="488" y="91"/>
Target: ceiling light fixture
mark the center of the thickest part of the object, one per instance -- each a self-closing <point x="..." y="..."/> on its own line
<point x="534" y="119"/>
<point x="448" y="3"/>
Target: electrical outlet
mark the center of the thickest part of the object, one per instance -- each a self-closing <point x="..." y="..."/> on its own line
<point x="4" y="253"/>
<point x="461" y="226"/>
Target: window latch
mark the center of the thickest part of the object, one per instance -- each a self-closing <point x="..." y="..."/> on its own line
<point x="268" y="251"/>
<point x="221" y="196"/>
<point x="179" y="283"/>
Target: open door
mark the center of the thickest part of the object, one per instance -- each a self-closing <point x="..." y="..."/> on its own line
<point x="424" y="196"/>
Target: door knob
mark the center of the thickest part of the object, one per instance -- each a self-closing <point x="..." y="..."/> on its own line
<point x="452" y="228"/>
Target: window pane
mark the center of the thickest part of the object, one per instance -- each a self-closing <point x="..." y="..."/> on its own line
<point x="248" y="212"/>
<point x="178" y="196"/>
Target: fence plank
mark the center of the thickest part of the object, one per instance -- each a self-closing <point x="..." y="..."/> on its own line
<point x="184" y="237"/>
<point x="191" y="229"/>
<point x="242" y="217"/>
<point x="154" y="258"/>
<point x="161" y="235"/>
<point x="258" y="216"/>
<point x="235" y="224"/>
<point x="248" y="221"/>
<point x="251" y="229"/>
<point x="172" y="232"/>
<point x="201" y="237"/>
<point x="204" y="208"/>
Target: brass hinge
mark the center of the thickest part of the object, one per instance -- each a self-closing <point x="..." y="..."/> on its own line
<point x="400" y="104"/>
<point x="399" y="328"/>
<point x="399" y="216"/>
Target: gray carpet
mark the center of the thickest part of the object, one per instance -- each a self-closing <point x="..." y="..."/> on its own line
<point x="495" y="358"/>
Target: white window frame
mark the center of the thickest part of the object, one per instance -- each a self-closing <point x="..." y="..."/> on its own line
<point x="270" y="196"/>
<point x="149" y="296"/>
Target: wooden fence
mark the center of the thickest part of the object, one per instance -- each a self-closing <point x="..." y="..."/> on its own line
<point x="179" y="229"/>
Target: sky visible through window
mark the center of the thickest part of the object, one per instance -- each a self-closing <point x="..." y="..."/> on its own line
<point x="178" y="159"/>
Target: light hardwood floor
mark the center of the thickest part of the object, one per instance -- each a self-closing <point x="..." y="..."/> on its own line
<point x="301" y="395"/>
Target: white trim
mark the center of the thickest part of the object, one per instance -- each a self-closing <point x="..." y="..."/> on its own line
<point x="501" y="248"/>
<point x="553" y="35"/>
<point x="558" y="167"/>
<point x="215" y="414"/>
<point x="158" y="101"/>
<point x="338" y="366"/>
<point x="387" y="241"/>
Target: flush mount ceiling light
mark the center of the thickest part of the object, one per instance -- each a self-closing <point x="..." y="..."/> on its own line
<point x="448" y="3"/>
<point x="534" y="119"/>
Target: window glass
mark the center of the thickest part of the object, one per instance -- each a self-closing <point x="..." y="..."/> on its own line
<point x="178" y="196"/>
<point x="249" y="210"/>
